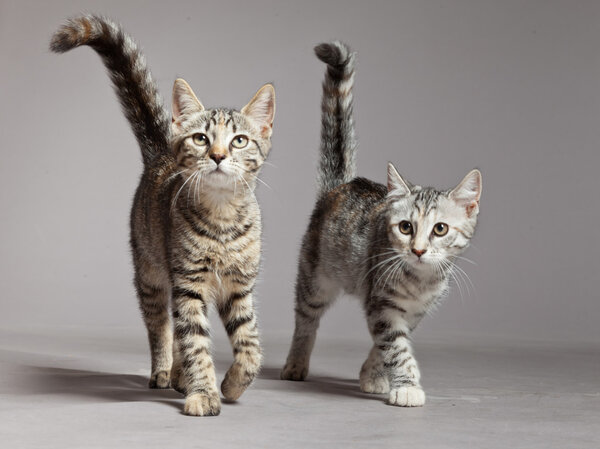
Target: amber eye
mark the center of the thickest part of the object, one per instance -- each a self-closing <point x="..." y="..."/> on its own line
<point x="405" y="227"/>
<point x="440" y="229"/>
<point x="239" y="142"/>
<point x="200" y="139"/>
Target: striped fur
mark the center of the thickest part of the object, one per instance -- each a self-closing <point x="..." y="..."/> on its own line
<point x="127" y="68"/>
<point x="355" y="244"/>
<point x="195" y="222"/>
<point x="338" y="144"/>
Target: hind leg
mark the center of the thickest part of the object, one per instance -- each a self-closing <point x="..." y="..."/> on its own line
<point x="153" y="295"/>
<point x="373" y="376"/>
<point x="313" y="295"/>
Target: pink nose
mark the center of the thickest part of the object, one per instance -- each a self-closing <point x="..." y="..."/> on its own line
<point x="217" y="157"/>
<point x="419" y="252"/>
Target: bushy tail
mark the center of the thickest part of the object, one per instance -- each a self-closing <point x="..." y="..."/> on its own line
<point x="338" y="144"/>
<point x="132" y="80"/>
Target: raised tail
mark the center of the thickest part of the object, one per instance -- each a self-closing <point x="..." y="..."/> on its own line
<point x="132" y="80"/>
<point x="338" y="143"/>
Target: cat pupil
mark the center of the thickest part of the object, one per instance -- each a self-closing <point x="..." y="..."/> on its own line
<point x="405" y="227"/>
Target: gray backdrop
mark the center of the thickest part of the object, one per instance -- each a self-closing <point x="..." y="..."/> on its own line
<point x="511" y="87"/>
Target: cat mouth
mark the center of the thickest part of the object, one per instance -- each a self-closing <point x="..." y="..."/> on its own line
<point x="219" y="171"/>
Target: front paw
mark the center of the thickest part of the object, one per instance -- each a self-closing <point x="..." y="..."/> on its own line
<point x="408" y="396"/>
<point x="294" y="371"/>
<point x="202" y="404"/>
<point x="237" y="379"/>
<point x="159" y="380"/>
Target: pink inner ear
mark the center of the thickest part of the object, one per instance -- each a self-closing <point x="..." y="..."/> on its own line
<point x="265" y="131"/>
<point x="470" y="208"/>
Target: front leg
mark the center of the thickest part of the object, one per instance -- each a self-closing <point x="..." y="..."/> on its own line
<point x="237" y="313"/>
<point x="390" y="333"/>
<point x="197" y="372"/>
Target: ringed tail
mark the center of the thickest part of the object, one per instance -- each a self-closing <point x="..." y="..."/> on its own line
<point x="133" y="83"/>
<point x="338" y="143"/>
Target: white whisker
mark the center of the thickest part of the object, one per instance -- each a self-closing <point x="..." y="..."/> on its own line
<point x="179" y="191"/>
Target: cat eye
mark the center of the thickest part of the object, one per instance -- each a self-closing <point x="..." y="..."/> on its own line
<point x="440" y="229"/>
<point x="200" y="139"/>
<point x="405" y="227"/>
<point x="239" y="141"/>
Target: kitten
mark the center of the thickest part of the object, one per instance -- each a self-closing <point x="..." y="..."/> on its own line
<point x="394" y="247"/>
<point x="195" y="222"/>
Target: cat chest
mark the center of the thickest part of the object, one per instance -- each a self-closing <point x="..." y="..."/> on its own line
<point x="412" y="301"/>
<point x="214" y="249"/>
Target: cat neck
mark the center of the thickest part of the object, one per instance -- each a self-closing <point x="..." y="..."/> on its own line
<point x="223" y="203"/>
<point x="427" y="274"/>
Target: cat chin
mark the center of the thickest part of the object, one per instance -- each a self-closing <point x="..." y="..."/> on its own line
<point x="421" y="265"/>
<point x="221" y="179"/>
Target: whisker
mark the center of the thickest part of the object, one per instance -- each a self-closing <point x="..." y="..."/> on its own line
<point x="179" y="191"/>
<point x="255" y="177"/>
<point x="465" y="259"/>
<point x="175" y="174"/>
<point x="383" y="262"/>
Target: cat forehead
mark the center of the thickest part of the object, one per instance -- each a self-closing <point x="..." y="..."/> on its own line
<point x="217" y="119"/>
<point x="422" y="202"/>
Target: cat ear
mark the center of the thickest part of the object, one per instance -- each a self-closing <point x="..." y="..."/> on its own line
<point x="261" y="109"/>
<point x="396" y="185"/>
<point x="184" y="100"/>
<point x="468" y="192"/>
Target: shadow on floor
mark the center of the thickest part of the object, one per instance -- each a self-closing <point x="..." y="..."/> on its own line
<point x="80" y="384"/>
<point x="319" y="385"/>
<point x="99" y="386"/>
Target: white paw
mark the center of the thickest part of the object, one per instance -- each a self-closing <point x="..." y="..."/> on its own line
<point x="407" y="397"/>
<point x="375" y="385"/>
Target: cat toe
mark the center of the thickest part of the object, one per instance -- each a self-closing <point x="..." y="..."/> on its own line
<point x="159" y="380"/>
<point x="410" y="396"/>
<point x="294" y="372"/>
<point x="201" y="404"/>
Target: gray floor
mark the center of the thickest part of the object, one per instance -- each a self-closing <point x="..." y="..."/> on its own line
<point x="87" y="388"/>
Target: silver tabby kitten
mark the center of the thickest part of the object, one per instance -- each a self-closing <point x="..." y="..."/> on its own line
<point x="394" y="247"/>
<point x="195" y="222"/>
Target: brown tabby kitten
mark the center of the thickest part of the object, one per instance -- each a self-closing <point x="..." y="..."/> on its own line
<point x="195" y="222"/>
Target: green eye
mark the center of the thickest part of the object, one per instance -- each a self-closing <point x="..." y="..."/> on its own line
<point x="200" y="139"/>
<point x="405" y="227"/>
<point x="239" y="142"/>
<point x="440" y="229"/>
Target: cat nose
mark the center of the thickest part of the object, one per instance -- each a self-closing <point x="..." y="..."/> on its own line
<point x="218" y="157"/>
<point x="419" y="252"/>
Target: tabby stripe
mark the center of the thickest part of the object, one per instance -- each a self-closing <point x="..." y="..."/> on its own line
<point x="190" y="272"/>
<point x="226" y="308"/>
<point x="185" y="329"/>
<point x="198" y="230"/>
<point x="233" y="232"/>
<point x="259" y="149"/>
<point x="394" y="336"/>
<point x="312" y="305"/>
<point x="234" y="324"/>
<point x="377" y="304"/>
<point x="180" y="292"/>
<point x="380" y="327"/>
